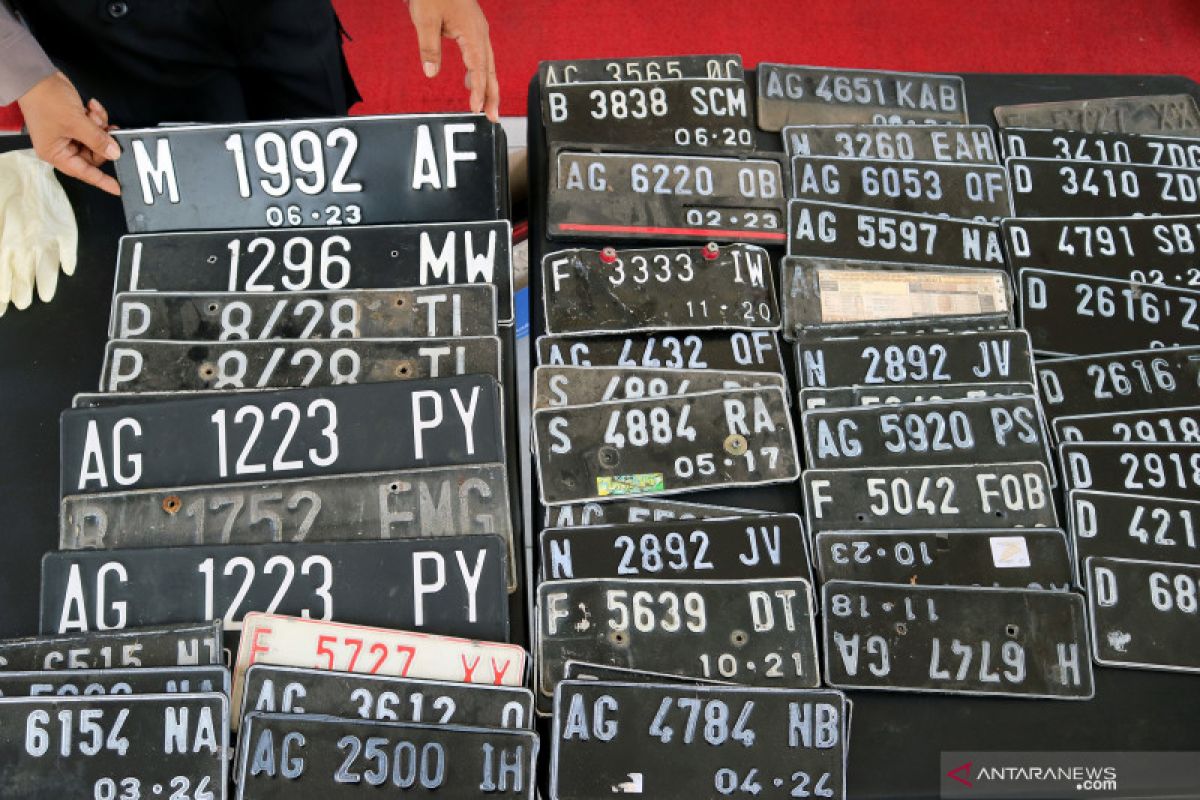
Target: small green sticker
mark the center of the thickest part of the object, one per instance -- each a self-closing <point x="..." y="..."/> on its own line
<point x="611" y="486"/>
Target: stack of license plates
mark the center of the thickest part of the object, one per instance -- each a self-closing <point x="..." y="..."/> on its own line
<point x="299" y="437"/>
<point x="676" y="637"/>
<point x="1105" y="253"/>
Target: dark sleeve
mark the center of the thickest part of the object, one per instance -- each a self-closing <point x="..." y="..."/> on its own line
<point x="24" y="62"/>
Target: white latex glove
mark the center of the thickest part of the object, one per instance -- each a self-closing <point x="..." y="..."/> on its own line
<point x="37" y="230"/>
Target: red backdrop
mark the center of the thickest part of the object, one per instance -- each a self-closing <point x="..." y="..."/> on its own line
<point x="1118" y="36"/>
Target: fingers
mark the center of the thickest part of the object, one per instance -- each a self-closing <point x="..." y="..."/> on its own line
<point x="45" y="274"/>
<point x="75" y="165"/>
<point x="474" y="52"/>
<point x="491" y="105"/>
<point x="94" y="137"/>
<point x="22" y="281"/>
<point x="429" y="38"/>
<point x="97" y="113"/>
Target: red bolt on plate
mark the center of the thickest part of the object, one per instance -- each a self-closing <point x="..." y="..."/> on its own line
<point x="712" y="251"/>
<point x="608" y="255"/>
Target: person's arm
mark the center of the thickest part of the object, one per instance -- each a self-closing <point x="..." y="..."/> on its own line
<point x="24" y="64"/>
<point x="464" y="22"/>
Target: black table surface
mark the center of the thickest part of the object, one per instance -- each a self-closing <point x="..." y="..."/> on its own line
<point x="897" y="738"/>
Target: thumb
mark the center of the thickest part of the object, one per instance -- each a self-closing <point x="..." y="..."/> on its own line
<point x="429" y="40"/>
<point x="95" y="138"/>
<point x="45" y="268"/>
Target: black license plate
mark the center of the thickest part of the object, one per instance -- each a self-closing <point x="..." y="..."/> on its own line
<point x="736" y="351"/>
<point x="321" y="259"/>
<point x="918" y="359"/>
<point x="116" y="681"/>
<point x="687" y="115"/>
<point x="852" y="396"/>
<point x="452" y="585"/>
<point x="143" y="365"/>
<point x="947" y="639"/>
<point x="920" y="498"/>
<point x="991" y="430"/>
<point x="1035" y="558"/>
<point x="354" y="314"/>
<point x="1143" y="249"/>
<point x="832" y="230"/>
<point x="224" y="438"/>
<point x="755" y="632"/>
<point x="769" y="743"/>
<point x="159" y="745"/>
<point x="382" y="698"/>
<point x="1068" y="315"/>
<point x="664" y="446"/>
<point x="1133" y="526"/>
<point x="1111" y="382"/>
<point x="1161" y="425"/>
<point x="343" y="757"/>
<point x="1143" y="613"/>
<point x="583" y="671"/>
<point x="608" y="291"/>
<point x="344" y="171"/>
<point x="763" y="546"/>
<point x="1117" y="148"/>
<point x="969" y="191"/>
<point x="640" y="68"/>
<point x="1154" y="113"/>
<point x="789" y="94"/>
<point x="821" y="292"/>
<point x="575" y="386"/>
<point x="1043" y="187"/>
<point x="677" y="198"/>
<point x="1160" y="470"/>
<point x="647" y="509"/>
<point x="159" y="646"/>
<point x="955" y="144"/>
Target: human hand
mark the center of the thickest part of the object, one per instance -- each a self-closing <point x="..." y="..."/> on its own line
<point x="464" y="22"/>
<point x="66" y="134"/>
